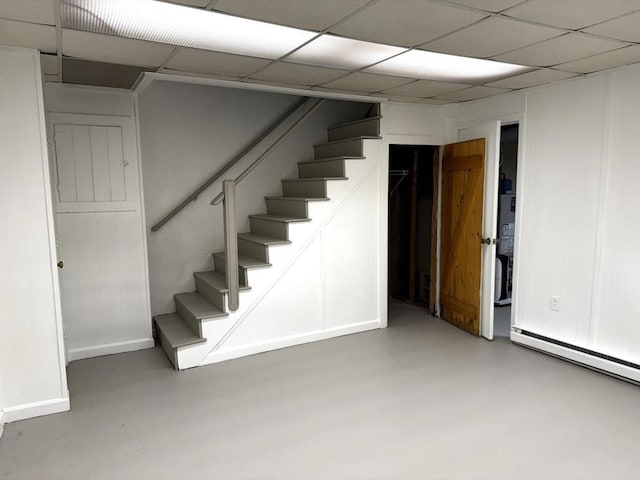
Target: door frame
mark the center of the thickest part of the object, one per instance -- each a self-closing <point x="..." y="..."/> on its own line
<point x="517" y="118"/>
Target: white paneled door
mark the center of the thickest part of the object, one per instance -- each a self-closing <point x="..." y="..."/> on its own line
<point x="100" y="234"/>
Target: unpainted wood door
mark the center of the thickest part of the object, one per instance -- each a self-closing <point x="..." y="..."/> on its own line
<point x="461" y="233"/>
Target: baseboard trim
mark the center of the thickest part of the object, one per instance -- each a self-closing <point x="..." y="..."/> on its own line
<point x="222" y="355"/>
<point x="110" y="349"/>
<point x="565" y="352"/>
<point x="36" y="409"/>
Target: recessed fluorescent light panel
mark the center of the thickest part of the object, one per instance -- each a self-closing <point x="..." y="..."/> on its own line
<point x="447" y="68"/>
<point x="156" y="21"/>
<point x="339" y="52"/>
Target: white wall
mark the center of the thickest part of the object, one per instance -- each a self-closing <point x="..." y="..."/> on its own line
<point x="578" y="227"/>
<point x="187" y="133"/>
<point x="32" y="374"/>
<point x="107" y="246"/>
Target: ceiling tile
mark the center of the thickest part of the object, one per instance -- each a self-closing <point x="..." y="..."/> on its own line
<point x="106" y="48"/>
<point x="472" y="93"/>
<point x="406" y="23"/>
<point x="191" y="3"/>
<point x="275" y="84"/>
<point x="491" y="37"/>
<point x="426" y="88"/>
<point x="368" y="82"/>
<point x="216" y="63"/>
<point x="289" y="73"/>
<point x="488" y="5"/>
<point x="566" y="48"/>
<point x="434" y="101"/>
<point x="623" y="28"/>
<point x="84" y="72"/>
<point x="616" y="58"/>
<point x="29" y="35"/>
<point x="34" y="11"/>
<point x="307" y="14"/>
<point x="49" y="64"/>
<point x="572" y="14"/>
<point x="531" y="79"/>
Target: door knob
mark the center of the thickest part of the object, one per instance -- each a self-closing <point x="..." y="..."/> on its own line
<point x="60" y="264"/>
<point x="485" y="241"/>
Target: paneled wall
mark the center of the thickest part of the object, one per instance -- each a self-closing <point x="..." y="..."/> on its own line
<point x="32" y="375"/>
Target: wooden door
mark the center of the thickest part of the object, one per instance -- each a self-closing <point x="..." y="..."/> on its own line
<point x="100" y="234"/>
<point x="461" y="233"/>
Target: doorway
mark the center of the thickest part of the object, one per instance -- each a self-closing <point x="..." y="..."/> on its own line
<point x="411" y="254"/>
<point x="507" y="194"/>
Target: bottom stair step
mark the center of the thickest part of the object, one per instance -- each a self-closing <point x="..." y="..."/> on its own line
<point x="175" y="331"/>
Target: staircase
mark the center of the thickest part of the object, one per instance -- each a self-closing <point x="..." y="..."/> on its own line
<point x="184" y="329"/>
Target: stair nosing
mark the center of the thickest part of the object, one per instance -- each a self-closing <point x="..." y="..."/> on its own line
<point x="350" y="139"/>
<point x="333" y="159"/>
<point x="279" y="218"/>
<point x="273" y="240"/>
<point x="205" y="317"/>
<point x="355" y="122"/>
<point x="313" y="179"/>
<point x="260" y="263"/>
<point x="297" y="199"/>
<point x="223" y="290"/>
<point x="194" y="341"/>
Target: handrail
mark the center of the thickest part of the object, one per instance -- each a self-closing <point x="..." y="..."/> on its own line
<point x="231" y="163"/>
<point x="257" y="161"/>
<point x="231" y="244"/>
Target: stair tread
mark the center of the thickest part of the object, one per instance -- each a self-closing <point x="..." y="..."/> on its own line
<point x="217" y="280"/>
<point x="313" y="179"/>
<point x="177" y="333"/>
<point x="343" y="140"/>
<point x="355" y="122"/>
<point x="263" y="239"/>
<point x="333" y="159"/>
<point x="199" y="306"/>
<point x="245" y="260"/>
<point x="298" y="199"/>
<point x="279" y="218"/>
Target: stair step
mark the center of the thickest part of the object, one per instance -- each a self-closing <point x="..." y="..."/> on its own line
<point x="347" y="147"/>
<point x="274" y="226"/>
<point x="194" y="308"/>
<point x="369" y="126"/>
<point x="213" y="287"/>
<point x="244" y="261"/>
<point x="174" y="333"/>
<point x="333" y="167"/>
<point x="290" y="206"/>
<point x="257" y="244"/>
<point x="262" y="239"/>
<point x="307" y="187"/>
<point x="216" y="280"/>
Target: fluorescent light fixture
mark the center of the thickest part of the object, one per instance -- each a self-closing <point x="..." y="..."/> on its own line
<point x="156" y="21"/>
<point x="339" y="52"/>
<point x="448" y="68"/>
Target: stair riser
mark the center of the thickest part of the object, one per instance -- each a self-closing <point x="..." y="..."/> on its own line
<point x="270" y="229"/>
<point x="333" y="168"/>
<point x="316" y="189"/>
<point x="368" y="128"/>
<point x="188" y="317"/>
<point x="216" y="297"/>
<point x="253" y="249"/>
<point x="287" y="208"/>
<point x="349" y="148"/>
<point x="219" y="266"/>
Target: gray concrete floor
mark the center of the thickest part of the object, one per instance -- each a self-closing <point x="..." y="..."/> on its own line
<point x="502" y="321"/>
<point x="420" y="400"/>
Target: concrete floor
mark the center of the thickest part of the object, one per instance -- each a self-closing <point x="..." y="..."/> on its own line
<point x="502" y="321"/>
<point x="420" y="400"/>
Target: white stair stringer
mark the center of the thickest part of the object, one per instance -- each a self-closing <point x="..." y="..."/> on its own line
<point x="265" y="321"/>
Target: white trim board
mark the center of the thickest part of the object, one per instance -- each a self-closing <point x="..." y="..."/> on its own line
<point x="575" y="356"/>
<point x="36" y="409"/>
<point x="110" y="348"/>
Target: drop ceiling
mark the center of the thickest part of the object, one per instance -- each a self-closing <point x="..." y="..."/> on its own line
<point x="555" y="39"/>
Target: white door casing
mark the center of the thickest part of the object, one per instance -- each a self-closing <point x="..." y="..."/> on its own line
<point x="100" y="229"/>
<point x="491" y="132"/>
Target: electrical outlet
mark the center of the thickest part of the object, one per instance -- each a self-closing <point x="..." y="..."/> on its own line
<point x="555" y="303"/>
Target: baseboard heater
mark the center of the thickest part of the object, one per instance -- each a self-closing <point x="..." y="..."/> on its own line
<point x="616" y="367"/>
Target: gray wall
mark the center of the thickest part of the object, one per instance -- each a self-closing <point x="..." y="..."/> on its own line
<point x="187" y="133"/>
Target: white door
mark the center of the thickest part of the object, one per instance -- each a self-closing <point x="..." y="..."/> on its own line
<point x="100" y="234"/>
<point x="491" y="132"/>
